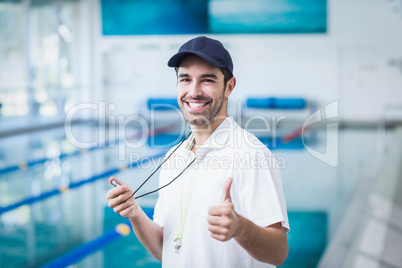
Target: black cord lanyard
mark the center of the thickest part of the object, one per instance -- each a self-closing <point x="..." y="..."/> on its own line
<point x="157" y="170"/>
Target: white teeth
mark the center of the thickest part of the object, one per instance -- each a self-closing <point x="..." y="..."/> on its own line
<point x="197" y="104"/>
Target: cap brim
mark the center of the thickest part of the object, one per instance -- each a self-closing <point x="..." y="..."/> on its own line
<point x="177" y="58"/>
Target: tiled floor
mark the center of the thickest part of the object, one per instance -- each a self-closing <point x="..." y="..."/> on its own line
<point x="377" y="240"/>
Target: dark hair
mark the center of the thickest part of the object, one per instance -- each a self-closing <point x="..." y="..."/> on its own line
<point x="227" y="75"/>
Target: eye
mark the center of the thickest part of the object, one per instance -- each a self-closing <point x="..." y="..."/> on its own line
<point x="209" y="81"/>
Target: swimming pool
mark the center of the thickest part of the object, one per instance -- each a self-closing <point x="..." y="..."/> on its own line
<point x="34" y="235"/>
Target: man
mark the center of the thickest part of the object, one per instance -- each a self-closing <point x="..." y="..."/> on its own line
<point x="227" y="209"/>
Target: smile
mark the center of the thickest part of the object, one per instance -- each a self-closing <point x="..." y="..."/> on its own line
<point x="196" y="106"/>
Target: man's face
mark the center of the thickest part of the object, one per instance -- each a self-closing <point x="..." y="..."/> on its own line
<point x="200" y="91"/>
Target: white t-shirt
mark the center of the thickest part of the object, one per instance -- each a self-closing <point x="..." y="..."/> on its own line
<point x="256" y="193"/>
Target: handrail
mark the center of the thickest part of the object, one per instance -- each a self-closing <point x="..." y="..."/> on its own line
<point x="382" y="126"/>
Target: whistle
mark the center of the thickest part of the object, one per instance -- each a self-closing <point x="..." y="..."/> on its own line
<point x="115" y="183"/>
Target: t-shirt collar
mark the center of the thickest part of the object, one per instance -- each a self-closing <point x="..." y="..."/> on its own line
<point x="218" y="139"/>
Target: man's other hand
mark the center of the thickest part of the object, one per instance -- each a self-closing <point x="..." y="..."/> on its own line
<point x="223" y="220"/>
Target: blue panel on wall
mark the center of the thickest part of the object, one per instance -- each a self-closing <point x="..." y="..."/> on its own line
<point x="268" y="16"/>
<point x="144" y="17"/>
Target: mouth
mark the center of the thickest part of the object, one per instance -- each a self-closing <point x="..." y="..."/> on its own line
<point x="196" y="106"/>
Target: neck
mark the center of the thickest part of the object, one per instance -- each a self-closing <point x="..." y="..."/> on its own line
<point x="202" y="133"/>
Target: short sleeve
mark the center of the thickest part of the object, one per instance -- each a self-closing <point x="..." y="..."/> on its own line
<point x="259" y="187"/>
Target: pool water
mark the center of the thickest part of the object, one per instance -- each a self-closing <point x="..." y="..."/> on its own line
<point x="34" y="235"/>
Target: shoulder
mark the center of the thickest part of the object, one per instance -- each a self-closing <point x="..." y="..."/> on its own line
<point x="244" y="141"/>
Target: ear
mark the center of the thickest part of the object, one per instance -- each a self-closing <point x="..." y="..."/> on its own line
<point x="230" y="85"/>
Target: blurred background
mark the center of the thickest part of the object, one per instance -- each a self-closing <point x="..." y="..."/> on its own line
<point x="85" y="94"/>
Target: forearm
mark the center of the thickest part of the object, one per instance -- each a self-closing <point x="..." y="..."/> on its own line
<point x="264" y="244"/>
<point x="149" y="233"/>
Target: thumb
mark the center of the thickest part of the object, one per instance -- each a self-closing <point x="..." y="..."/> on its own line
<point x="226" y="190"/>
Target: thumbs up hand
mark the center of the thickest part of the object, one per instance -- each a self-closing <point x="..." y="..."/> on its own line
<point x="223" y="220"/>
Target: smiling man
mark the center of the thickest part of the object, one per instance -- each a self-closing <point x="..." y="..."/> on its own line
<point x="202" y="94"/>
<point x="227" y="209"/>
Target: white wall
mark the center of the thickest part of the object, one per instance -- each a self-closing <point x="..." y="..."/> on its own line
<point x="350" y="63"/>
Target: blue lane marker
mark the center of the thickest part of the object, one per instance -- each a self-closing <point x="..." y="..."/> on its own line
<point x="84" y="250"/>
<point x="45" y="195"/>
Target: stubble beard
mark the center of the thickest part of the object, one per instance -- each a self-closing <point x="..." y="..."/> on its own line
<point x="205" y="120"/>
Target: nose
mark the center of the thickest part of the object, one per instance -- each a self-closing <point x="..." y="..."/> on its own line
<point x="194" y="89"/>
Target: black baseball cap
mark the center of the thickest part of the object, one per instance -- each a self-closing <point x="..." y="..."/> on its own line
<point x="210" y="50"/>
